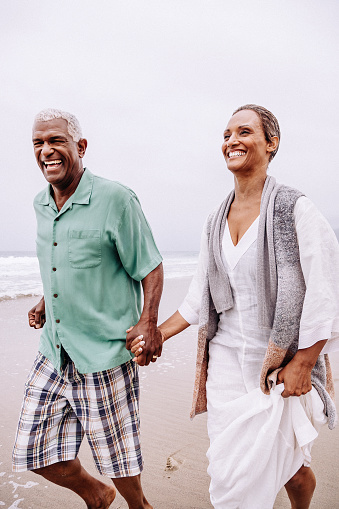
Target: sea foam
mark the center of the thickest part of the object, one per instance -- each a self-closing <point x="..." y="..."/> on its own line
<point x="20" y="276"/>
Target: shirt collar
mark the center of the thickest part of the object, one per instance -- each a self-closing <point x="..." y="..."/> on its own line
<point x="81" y="195"/>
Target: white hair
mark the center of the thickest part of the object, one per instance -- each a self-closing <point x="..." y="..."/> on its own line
<point x="73" y="126"/>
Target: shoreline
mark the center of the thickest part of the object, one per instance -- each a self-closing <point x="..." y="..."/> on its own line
<point x="37" y="296"/>
<point x="174" y="447"/>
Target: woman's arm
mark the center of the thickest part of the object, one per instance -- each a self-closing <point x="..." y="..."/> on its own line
<point x="172" y="326"/>
<point x="296" y="375"/>
<point x="319" y="258"/>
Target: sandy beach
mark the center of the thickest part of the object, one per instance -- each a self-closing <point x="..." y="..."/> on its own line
<point x="174" y="447"/>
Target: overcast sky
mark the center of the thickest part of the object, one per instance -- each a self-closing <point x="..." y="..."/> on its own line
<point x="153" y="85"/>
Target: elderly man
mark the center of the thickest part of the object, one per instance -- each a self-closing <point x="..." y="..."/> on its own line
<point x="95" y="250"/>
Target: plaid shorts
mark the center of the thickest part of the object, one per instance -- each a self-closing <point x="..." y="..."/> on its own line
<point x="58" y="410"/>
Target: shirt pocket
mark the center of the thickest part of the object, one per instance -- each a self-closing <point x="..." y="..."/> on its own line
<point x="84" y="248"/>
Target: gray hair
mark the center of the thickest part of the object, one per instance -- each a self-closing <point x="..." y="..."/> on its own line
<point x="269" y="123"/>
<point x="73" y="125"/>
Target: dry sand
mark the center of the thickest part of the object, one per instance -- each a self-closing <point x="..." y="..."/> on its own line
<point x="174" y="447"/>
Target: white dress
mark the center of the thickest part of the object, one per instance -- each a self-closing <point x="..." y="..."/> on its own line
<point x="258" y="442"/>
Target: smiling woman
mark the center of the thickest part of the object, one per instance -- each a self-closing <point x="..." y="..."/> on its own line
<point x="264" y="327"/>
<point x="245" y="138"/>
<point x="248" y="149"/>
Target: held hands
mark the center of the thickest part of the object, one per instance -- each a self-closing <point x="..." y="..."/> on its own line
<point x="36" y="316"/>
<point x="145" y="342"/>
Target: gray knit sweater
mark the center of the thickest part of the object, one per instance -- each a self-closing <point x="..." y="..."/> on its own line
<point x="280" y="290"/>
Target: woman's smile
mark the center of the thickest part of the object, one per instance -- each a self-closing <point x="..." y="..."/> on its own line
<point x="236" y="153"/>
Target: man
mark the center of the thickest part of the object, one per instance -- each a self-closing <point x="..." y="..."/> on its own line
<point x="95" y="250"/>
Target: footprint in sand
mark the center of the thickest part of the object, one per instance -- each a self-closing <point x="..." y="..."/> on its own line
<point x="172" y="464"/>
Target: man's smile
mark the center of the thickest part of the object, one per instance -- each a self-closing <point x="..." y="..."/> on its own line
<point x="52" y="164"/>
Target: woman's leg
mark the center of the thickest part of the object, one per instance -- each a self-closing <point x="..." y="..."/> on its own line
<point x="300" y="488"/>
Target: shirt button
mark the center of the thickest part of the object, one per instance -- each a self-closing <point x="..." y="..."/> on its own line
<point x="54" y="269"/>
<point x="57" y="321"/>
<point x="58" y="346"/>
<point x="55" y="295"/>
<point x="55" y="244"/>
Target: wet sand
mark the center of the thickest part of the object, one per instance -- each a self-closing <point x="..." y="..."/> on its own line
<point x="174" y="447"/>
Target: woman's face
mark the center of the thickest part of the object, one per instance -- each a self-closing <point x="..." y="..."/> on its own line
<point x="245" y="147"/>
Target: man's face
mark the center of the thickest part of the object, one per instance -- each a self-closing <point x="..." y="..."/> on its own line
<point x="58" y="156"/>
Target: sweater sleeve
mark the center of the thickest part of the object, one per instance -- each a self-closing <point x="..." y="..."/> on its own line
<point x="319" y="258"/>
<point x="190" y="307"/>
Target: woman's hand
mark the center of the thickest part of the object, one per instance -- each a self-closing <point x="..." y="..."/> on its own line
<point x="296" y="375"/>
<point x="172" y="326"/>
<point x="296" y="378"/>
<point x="137" y="347"/>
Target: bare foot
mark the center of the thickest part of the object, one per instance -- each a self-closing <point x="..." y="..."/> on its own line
<point x="106" y="496"/>
<point x="110" y="494"/>
<point x="147" y="504"/>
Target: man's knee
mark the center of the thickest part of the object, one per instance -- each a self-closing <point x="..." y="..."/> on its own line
<point x="60" y="469"/>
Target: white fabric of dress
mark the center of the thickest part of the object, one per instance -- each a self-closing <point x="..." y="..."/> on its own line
<point x="258" y="442"/>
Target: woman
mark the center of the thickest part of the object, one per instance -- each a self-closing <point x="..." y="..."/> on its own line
<point x="266" y="298"/>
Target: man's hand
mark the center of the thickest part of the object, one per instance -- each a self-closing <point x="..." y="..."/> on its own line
<point x="296" y="375"/>
<point x="145" y="341"/>
<point x="36" y="316"/>
<point x="146" y="327"/>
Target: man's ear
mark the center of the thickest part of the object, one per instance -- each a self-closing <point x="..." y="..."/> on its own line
<point x="82" y="145"/>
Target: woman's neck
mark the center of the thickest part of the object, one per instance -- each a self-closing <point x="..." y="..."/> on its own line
<point x="245" y="207"/>
<point x="249" y="188"/>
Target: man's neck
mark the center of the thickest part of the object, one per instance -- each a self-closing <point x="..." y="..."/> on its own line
<point x="61" y="195"/>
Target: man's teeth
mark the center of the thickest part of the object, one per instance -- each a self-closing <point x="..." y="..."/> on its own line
<point x="52" y="163"/>
<point x="237" y="153"/>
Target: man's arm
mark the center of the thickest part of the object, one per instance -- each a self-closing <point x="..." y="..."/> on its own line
<point x="152" y="286"/>
<point x="36" y="315"/>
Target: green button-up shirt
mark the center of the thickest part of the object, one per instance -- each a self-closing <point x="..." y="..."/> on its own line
<point x="92" y="255"/>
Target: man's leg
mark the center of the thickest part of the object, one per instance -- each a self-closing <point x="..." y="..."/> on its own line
<point x="71" y="475"/>
<point x="46" y="407"/>
<point x="130" y="488"/>
<point x="300" y="488"/>
<point x="112" y="429"/>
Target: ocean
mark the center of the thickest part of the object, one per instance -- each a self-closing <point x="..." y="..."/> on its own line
<point x="20" y="276"/>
